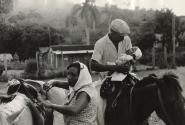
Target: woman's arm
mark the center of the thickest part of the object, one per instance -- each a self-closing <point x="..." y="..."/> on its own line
<point x="61" y="84"/>
<point x="56" y="83"/>
<point x="81" y="102"/>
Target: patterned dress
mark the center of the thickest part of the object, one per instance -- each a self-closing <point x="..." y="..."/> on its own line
<point x="88" y="116"/>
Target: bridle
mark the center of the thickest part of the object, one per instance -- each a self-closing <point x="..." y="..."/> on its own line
<point x="155" y="84"/>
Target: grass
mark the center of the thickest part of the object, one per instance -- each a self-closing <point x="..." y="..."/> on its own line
<point x="153" y="120"/>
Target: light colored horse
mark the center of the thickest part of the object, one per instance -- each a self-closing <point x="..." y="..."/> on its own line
<point x="16" y="112"/>
<point x="55" y="95"/>
<point x="58" y="96"/>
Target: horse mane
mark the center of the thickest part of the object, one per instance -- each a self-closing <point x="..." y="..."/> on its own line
<point x="171" y="79"/>
<point x="171" y="92"/>
<point x="150" y="79"/>
<point x="170" y="86"/>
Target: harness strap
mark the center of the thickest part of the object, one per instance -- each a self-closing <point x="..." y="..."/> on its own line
<point x="114" y="103"/>
<point x="163" y="107"/>
<point x="130" y="107"/>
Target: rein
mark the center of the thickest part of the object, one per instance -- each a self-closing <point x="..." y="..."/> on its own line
<point x="160" y="101"/>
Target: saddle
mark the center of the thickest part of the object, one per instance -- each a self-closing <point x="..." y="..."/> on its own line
<point x="110" y="82"/>
<point x="114" y="91"/>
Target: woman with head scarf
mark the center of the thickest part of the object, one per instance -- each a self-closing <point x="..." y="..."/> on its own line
<point x="80" y="108"/>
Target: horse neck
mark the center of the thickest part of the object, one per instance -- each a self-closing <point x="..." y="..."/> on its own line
<point x="144" y="102"/>
<point x="172" y="111"/>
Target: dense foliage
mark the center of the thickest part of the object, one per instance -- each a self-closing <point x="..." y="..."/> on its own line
<point x="25" y="33"/>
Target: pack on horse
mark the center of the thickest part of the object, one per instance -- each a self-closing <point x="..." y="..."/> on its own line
<point x="131" y="101"/>
<point x="55" y="95"/>
<point x="18" y="106"/>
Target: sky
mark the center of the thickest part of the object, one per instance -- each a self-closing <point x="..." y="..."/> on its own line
<point x="177" y="6"/>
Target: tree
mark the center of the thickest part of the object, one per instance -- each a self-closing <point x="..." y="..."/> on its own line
<point x="5" y="7"/>
<point x="163" y="23"/>
<point x="89" y="15"/>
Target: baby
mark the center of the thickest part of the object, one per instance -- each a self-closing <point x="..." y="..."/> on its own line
<point x="131" y="55"/>
<point x="127" y="59"/>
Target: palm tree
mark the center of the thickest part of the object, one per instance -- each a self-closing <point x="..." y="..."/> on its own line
<point x="108" y="12"/>
<point x="5" y="7"/>
<point x="88" y="14"/>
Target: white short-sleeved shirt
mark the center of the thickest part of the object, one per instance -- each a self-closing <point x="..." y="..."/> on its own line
<point x="105" y="52"/>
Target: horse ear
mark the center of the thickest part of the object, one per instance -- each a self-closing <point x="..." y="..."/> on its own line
<point x="11" y="118"/>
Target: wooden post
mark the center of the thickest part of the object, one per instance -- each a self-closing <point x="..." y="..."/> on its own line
<point x="49" y="35"/>
<point x="165" y="56"/>
<point x="5" y="64"/>
<point x="153" y="56"/>
<point x="173" y="42"/>
<point x="56" y="61"/>
<point x="37" y="60"/>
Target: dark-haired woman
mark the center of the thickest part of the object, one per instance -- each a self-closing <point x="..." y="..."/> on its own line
<point x="80" y="108"/>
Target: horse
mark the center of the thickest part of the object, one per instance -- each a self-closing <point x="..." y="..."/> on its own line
<point x="132" y="104"/>
<point x="55" y="95"/>
<point x="17" y="107"/>
<point x="132" y="101"/>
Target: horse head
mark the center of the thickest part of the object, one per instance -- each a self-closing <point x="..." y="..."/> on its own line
<point x="136" y="103"/>
<point x="18" y="85"/>
<point x="172" y="99"/>
<point x="162" y="95"/>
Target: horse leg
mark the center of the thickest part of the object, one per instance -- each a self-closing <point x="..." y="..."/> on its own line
<point x="101" y="103"/>
<point x="37" y="118"/>
<point x="48" y="117"/>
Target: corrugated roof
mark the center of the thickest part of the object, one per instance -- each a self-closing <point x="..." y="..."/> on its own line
<point x="72" y="47"/>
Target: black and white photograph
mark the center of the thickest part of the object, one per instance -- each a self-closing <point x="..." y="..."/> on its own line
<point x="92" y="62"/>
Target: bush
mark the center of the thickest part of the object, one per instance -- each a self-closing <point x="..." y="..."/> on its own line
<point x="180" y="59"/>
<point x="3" y="78"/>
<point x="1" y="69"/>
<point x="31" y="66"/>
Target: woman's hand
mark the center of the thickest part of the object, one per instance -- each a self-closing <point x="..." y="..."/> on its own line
<point x="49" y="85"/>
<point x="47" y="104"/>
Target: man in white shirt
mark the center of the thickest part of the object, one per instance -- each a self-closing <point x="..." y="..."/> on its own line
<point x="110" y="47"/>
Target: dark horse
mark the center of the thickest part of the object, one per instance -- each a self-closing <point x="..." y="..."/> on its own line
<point x="132" y="104"/>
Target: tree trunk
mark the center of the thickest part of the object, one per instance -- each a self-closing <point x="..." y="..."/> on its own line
<point x="87" y="34"/>
<point x="173" y="42"/>
<point x="94" y="25"/>
<point x="165" y="57"/>
<point x="153" y="56"/>
<point x="110" y="19"/>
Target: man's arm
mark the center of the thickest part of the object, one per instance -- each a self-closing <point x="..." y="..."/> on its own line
<point x="102" y="68"/>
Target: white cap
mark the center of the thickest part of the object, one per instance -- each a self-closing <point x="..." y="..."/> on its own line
<point x="120" y="26"/>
